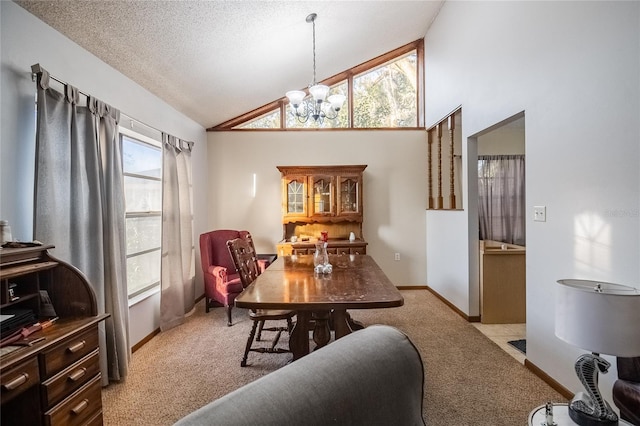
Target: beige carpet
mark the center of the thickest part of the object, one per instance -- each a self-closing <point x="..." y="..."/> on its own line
<point x="469" y="380"/>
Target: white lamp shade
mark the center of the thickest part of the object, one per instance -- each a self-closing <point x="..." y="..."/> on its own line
<point x="295" y="97"/>
<point x="319" y="92"/>
<point x="336" y="101"/>
<point x="603" y="322"/>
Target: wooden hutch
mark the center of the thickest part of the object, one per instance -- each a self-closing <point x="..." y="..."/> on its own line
<point x="316" y="199"/>
<point x="53" y="376"/>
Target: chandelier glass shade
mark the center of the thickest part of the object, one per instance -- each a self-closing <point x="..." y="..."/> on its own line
<point x="318" y="106"/>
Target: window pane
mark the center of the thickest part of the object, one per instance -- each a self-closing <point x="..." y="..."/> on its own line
<point x="342" y="120"/>
<point x="142" y="195"/>
<point x="143" y="233"/>
<point x="142" y="165"/>
<point x="141" y="158"/>
<point x="387" y="95"/>
<point x="143" y="271"/>
<point x="270" y="120"/>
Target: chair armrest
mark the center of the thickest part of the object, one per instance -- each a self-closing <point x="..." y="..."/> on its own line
<point x="264" y="260"/>
<point x="220" y="272"/>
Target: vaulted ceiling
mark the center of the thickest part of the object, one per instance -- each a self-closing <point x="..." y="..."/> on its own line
<point x="214" y="60"/>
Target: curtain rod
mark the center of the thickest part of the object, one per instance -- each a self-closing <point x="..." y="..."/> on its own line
<point x="37" y="69"/>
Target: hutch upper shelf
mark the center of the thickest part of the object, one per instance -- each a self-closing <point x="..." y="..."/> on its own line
<point x="321" y="193"/>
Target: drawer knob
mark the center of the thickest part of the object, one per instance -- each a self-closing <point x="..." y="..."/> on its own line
<point x="77" y="346"/>
<point x="78" y="374"/>
<point x="80" y="407"/>
<point x="16" y="382"/>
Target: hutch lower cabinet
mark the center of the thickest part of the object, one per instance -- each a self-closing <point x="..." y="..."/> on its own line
<point x="51" y="377"/>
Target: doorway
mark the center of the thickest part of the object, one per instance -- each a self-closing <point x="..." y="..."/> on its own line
<point x="498" y="147"/>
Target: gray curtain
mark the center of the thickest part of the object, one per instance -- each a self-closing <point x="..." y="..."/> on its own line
<point x="177" y="277"/>
<point x="501" y="198"/>
<point x="79" y="206"/>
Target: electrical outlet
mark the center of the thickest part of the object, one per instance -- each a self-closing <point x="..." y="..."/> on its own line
<point x="397" y="257"/>
<point x="539" y="213"/>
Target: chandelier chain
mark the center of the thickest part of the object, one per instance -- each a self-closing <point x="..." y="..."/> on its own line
<point x="313" y="22"/>
<point x="318" y="106"/>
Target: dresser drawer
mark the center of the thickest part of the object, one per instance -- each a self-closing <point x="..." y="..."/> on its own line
<point x="68" y="352"/>
<point x="95" y="420"/>
<point x="19" y="379"/>
<point x="68" y="380"/>
<point x="79" y="408"/>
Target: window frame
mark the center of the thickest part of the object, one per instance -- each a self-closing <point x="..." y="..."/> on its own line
<point x="348" y="75"/>
<point x="142" y="139"/>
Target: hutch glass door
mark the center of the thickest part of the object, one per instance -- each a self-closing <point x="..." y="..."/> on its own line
<point x="322" y="196"/>
<point x="349" y="201"/>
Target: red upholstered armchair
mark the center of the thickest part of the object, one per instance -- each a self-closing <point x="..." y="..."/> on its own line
<point x="221" y="282"/>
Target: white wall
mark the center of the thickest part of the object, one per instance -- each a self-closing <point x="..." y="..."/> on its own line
<point x="573" y="68"/>
<point x="394" y="188"/>
<point x="505" y="140"/>
<point x="25" y="41"/>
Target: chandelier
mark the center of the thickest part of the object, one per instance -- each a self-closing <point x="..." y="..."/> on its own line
<point x="319" y="106"/>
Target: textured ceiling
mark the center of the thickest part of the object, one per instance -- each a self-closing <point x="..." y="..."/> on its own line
<point x="214" y="60"/>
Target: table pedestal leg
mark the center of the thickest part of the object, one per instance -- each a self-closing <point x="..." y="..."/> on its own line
<point x="321" y="331"/>
<point x="341" y="323"/>
<point x="299" y="339"/>
<point x="355" y="325"/>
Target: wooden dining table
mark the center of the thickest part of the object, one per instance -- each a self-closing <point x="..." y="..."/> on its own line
<point x="321" y="301"/>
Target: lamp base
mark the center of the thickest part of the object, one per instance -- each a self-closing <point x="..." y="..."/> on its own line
<point x="584" y="419"/>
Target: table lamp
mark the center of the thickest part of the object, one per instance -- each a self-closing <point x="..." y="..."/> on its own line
<point x="603" y="318"/>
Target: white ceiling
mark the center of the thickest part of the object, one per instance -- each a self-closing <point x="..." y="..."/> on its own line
<point x="214" y="60"/>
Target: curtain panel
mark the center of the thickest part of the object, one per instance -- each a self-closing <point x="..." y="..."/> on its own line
<point x="79" y="205"/>
<point x="501" y="198"/>
<point x="177" y="282"/>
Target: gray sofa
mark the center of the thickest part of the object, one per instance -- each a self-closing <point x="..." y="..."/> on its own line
<point x="373" y="376"/>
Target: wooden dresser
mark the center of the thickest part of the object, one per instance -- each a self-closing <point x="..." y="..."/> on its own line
<point x="56" y="380"/>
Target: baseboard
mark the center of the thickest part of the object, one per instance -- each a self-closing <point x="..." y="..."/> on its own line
<point x="548" y="379"/>
<point x="453" y="307"/>
<point x="142" y="342"/>
<point x="155" y="332"/>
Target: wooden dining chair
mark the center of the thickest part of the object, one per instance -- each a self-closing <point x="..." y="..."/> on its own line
<point x="246" y="263"/>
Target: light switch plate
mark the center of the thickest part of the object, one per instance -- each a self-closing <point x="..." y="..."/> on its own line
<point x="539" y="213"/>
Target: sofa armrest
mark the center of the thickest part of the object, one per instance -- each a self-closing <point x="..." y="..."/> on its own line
<point x="629" y="368"/>
<point x="626" y="390"/>
<point x="373" y="376"/>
